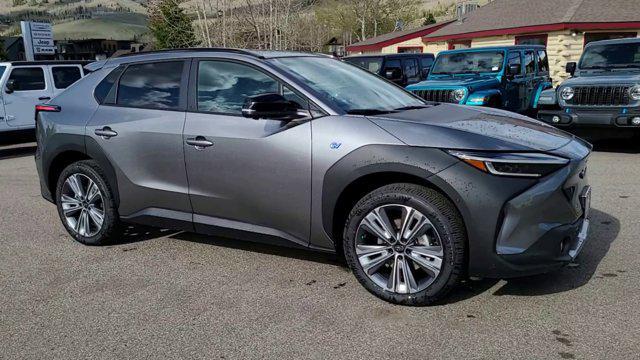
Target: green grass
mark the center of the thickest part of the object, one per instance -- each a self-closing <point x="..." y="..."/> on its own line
<point x="123" y="26"/>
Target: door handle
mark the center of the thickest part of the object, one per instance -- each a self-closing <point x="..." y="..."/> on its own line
<point x="44" y="98"/>
<point x="106" y="132"/>
<point x="199" y="142"/>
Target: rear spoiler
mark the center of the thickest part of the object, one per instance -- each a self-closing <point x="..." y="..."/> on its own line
<point x="95" y="66"/>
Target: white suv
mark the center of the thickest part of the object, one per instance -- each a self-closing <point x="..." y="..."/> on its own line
<point x="25" y="84"/>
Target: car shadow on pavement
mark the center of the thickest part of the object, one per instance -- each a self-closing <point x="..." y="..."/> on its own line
<point x="603" y="231"/>
<point x="134" y="233"/>
<point x="15" y="152"/>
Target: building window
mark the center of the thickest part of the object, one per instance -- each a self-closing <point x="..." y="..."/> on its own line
<point x="460" y="44"/>
<point x="589" y="37"/>
<point x="540" y="39"/>
<point x="409" y="49"/>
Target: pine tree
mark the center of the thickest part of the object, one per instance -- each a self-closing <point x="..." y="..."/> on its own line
<point x="170" y="26"/>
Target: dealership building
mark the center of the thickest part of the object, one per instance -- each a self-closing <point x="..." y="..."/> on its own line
<point x="564" y="26"/>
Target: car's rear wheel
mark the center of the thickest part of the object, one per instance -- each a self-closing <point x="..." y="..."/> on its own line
<point x="405" y="244"/>
<point x="86" y="205"/>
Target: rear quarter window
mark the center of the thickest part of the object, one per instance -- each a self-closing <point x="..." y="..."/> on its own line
<point x="64" y="76"/>
<point x="105" y="91"/>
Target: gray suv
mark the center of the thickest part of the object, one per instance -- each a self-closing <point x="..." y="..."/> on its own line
<point x="308" y="151"/>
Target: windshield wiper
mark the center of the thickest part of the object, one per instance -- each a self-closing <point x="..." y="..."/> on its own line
<point x="369" y="111"/>
<point x="413" y="107"/>
<point x="625" y="66"/>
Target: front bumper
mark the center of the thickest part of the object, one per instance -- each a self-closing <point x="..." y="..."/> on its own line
<point x="520" y="227"/>
<point x="614" y="118"/>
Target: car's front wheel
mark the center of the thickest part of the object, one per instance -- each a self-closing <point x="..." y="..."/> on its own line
<point x="86" y="204"/>
<point x="405" y="243"/>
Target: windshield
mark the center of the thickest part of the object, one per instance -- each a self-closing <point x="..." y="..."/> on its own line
<point x="373" y="64"/>
<point x="354" y="90"/>
<point x="611" y="56"/>
<point x="469" y="62"/>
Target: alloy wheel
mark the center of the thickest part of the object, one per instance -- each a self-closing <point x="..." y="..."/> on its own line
<point x="399" y="249"/>
<point x="82" y="205"/>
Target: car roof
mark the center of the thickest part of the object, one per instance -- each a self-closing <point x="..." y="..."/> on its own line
<point x="388" y="55"/>
<point x="46" y="62"/>
<point x="615" y="41"/>
<point x="496" y="48"/>
<point x="197" y="52"/>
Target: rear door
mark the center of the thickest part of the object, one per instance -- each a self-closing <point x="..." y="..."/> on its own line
<point x="411" y="71"/>
<point x="138" y="127"/>
<point x="530" y="78"/>
<point x="63" y="76"/>
<point x="31" y="87"/>
<point x="253" y="176"/>
<point x="516" y="84"/>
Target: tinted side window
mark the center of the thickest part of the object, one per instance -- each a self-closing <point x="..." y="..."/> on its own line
<point x="105" y="91"/>
<point x="153" y="85"/>
<point x="426" y="63"/>
<point x="543" y="62"/>
<point x="514" y="58"/>
<point x="64" y="76"/>
<point x="223" y="87"/>
<point x="410" y="68"/>
<point x="392" y="64"/>
<point x="529" y="62"/>
<point x="28" y="78"/>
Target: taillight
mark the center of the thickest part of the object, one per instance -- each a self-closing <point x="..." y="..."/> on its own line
<point x="47" y="108"/>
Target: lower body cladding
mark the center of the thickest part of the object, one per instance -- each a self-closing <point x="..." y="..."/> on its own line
<point x="520" y="227"/>
<point x="621" y="118"/>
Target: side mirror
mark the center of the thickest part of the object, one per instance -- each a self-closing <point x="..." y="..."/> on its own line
<point x="10" y="86"/>
<point x="270" y="106"/>
<point x="393" y="74"/>
<point x="513" y="70"/>
<point x="571" y="68"/>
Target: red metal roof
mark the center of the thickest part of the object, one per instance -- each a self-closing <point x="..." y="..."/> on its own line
<point x="378" y="42"/>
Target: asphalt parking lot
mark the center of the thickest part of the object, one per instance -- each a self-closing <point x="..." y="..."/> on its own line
<point x="161" y="294"/>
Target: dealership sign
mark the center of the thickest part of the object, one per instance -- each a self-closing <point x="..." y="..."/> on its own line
<point x="38" y="38"/>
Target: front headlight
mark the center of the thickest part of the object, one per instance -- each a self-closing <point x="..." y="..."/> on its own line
<point x="567" y="93"/>
<point x="512" y="164"/>
<point x="634" y="93"/>
<point x="458" y="95"/>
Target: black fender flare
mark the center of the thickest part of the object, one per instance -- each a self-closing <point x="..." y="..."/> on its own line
<point x="402" y="160"/>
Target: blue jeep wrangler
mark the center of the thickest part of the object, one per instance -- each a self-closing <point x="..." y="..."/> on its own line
<point x="508" y="77"/>
<point x="603" y="92"/>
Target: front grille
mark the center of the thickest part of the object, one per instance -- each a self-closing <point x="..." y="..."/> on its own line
<point x="436" y="95"/>
<point x="601" y="96"/>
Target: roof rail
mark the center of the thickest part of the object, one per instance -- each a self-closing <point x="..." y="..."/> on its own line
<point x="228" y="50"/>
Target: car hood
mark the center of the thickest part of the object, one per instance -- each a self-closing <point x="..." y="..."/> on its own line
<point x="471" y="128"/>
<point x="448" y="82"/>
<point x="604" y="78"/>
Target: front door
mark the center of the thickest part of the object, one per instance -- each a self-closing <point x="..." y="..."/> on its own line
<point x="140" y="132"/>
<point x="515" y="84"/>
<point x="30" y="87"/>
<point x="247" y="178"/>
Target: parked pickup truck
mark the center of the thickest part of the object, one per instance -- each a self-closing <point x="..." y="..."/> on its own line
<point x="25" y="84"/>
<point x="603" y="91"/>
<point x="508" y="77"/>
<point x="402" y="69"/>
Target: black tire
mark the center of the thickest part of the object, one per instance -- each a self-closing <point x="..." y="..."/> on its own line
<point x="445" y="218"/>
<point x="111" y="226"/>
